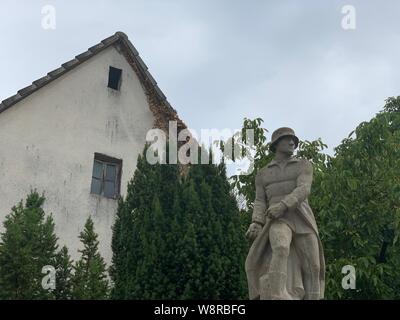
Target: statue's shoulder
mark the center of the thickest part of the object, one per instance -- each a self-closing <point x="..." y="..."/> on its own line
<point x="304" y="161"/>
<point x="305" y="164"/>
<point x="263" y="171"/>
<point x="300" y="160"/>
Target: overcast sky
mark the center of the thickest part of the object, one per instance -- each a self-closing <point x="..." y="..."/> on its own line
<point x="288" y="62"/>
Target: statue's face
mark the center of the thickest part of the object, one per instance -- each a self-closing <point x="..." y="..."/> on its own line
<point x="286" y="145"/>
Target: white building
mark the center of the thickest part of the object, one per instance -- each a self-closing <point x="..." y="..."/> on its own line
<point x="75" y="135"/>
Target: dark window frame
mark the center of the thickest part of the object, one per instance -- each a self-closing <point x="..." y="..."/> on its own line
<point x="114" y="78"/>
<point x="105" y="161"/>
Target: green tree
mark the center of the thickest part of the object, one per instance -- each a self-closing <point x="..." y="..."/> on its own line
<point x="219" y="235"/>
<point x="135" y="222"/>
<point x="357" y="197"/>
<point x="176" y="228"/>
<point x="64" y="268"/>
<point x="90" y="278"/>
<point x="122" y="243"/>
<point x="27" y="245"/>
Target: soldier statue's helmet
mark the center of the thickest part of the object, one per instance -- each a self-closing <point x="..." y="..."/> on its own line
<point x="279" y="134"/>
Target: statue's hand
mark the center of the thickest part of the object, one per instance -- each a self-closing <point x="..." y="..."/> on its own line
<point x="253" y="231"/>
<point x="276" y="210"/>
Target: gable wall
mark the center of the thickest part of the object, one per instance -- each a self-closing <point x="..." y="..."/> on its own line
<point x="48" y="141"/>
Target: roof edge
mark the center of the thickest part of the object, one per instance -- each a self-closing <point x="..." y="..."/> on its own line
<point x="119" y="36"/>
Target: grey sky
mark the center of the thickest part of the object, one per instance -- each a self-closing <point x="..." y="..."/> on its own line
<point x="288" y="62"/>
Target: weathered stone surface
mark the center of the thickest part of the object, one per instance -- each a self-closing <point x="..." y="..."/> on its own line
<point x="286" y="260"/>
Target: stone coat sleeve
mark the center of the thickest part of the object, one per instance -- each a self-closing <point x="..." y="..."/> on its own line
<point x="303" y="188"/>
<point x="260" y="203"/>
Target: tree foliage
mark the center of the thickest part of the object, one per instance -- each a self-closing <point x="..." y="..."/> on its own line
<point x="64" y="273"/>
<point x="27" y="245"/>
<point x="90" y="278"/>
<point x="178" y="236"/>
<point x="357" y="197"/>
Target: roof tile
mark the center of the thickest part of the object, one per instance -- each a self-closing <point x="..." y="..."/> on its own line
<point x="110" y="40"/>
<point x="71" y="63"/>
<point x="83" y="56"/>
<point x="57" y="72"/>
<point x="97" y="47"/>
<point x="150" y="77"/>
<point x="42" y="81"/>
<point x="141" y="63"/>
<point x="27" y="90"/>
<point x="11" y="100"/>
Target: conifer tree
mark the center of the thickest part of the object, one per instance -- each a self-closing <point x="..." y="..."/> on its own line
<point x="64" y="267"/>
<point x="151" y="276"/>
<point x="27" y="245"/>
<point x="142" y="227"/>
<point x="121" y="245"/>
<point x="90" y="278"/>
<point x="188" y="251"/>
<point x="169" y="238"/>
<point x="126" y="241"/>
<point x="219" y="235"/>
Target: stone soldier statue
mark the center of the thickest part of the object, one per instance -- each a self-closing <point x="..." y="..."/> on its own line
<point x="286" y="259"/>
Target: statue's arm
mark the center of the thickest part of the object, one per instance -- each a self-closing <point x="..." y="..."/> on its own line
<point x="303" y="188"/>
<point x="260" y="203"/>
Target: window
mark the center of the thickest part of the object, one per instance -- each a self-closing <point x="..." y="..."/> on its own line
<point x="114" y="78"/>
<point x="106" y="176"/>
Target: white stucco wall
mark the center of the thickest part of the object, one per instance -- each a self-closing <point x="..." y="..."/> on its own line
<point x="48" y="141"/>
